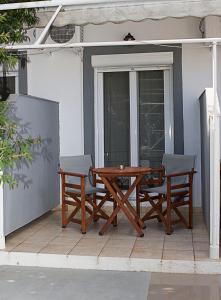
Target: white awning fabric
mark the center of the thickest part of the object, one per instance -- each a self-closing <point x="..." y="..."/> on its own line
<point x="122" y="11"/>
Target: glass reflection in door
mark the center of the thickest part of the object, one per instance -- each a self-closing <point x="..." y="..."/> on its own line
<point x="151" y="117"/>
<point x="116" y="119"/>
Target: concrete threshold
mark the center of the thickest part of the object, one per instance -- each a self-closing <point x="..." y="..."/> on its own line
<point x="109" y="263"/>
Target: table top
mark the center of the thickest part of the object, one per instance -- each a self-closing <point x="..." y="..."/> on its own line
<point x="116" y="171"/>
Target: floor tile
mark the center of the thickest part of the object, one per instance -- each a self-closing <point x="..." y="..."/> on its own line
<point x="91" y="243"/>
<point x="57" y="249"/>
<point x="10" y="246"/>
<point x="149" y="244"/>
<point x="116" y="252"/>
<point x="153" y="238"/>
<point x="39" y="239"/>
<point x="179" y="237"/>
<point x="124" y="235"/>
<point x="72" y="232"/>
<point x="178" y="254"/>
<point x="30" y="247"/>
<point x="200" y="238"/>
<point x="60" y="240"/>
<point x="200" y="245"/>
<point x="84" y="251"/>
<point x="146" y="253"/>
<point x="111" y="243"/>
<point x="201" y="254"/>
<point x="178" y="245"/>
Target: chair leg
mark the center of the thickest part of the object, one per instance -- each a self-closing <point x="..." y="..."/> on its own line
<point x="115" y="219"/>
<point x="83" y="215"/>
<point x="169" y="229"/>
<point x="190" y="212"/>
<point x="63" y="218"/>
<point x="63" y="205"/>
<point x="95" y="216"/>
<point x="63" y="212"/>
<point x="160" y="207"/>
<point x="138" y="202"/>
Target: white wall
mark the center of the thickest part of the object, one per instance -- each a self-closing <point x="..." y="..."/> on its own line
<point x="57" y="76"/>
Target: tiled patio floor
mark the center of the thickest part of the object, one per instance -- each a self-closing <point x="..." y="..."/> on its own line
<point x="45" y="235"/>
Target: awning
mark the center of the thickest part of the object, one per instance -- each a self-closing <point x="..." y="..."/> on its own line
<point x="122" y="11"/>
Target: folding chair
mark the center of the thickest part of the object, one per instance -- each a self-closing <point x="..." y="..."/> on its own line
<point x="80" y="191"/>
<point x="173" y="185"/>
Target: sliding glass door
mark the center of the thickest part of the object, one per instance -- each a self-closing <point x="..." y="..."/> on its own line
<point x="116" y="119"/>
<point x="134" y="111"/>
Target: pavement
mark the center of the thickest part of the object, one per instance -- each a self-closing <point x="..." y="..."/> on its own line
<point x="22" y="283"/>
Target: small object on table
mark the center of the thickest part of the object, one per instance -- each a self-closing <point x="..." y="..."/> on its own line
<point x="122" y="167"/>
<point x="109" y="176"/>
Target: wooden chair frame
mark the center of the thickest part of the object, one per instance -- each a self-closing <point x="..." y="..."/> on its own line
<point x="86" y="203"/>
<point x="172" y="191"/>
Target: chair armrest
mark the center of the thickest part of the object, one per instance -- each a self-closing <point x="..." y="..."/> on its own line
<point x="180" y="174"/>
<point x="72" y="174"/>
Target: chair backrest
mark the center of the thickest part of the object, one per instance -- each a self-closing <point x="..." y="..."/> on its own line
<point x="144" y="163"/>
<point x="176" y="163"/>
<point x="76" y="164"/>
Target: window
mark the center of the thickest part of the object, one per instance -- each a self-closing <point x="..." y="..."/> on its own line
<point x="7" y="86"/>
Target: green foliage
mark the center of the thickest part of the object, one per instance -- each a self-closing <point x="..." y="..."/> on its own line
<point x="13" y="29"/>
<point x="14" y="146"/>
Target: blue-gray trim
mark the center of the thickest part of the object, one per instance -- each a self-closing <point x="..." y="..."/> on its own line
<point x="22" y="76"/>
<point x="88" y="87"/>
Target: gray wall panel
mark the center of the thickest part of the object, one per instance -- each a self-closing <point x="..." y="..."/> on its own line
<point x="89" y="90"/>
<point x="38" y="189"/>
<point x="205" y="157"/>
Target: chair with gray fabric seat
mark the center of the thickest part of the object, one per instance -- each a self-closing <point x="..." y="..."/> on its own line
<point x="173" y="186"/>
<point x="80" y="191"/>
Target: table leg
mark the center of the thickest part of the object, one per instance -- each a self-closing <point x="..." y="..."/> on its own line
<point x="120" y="202"/>
<point x="127" y="202"/>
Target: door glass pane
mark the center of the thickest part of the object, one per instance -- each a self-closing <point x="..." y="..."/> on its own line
<point x="116" y="119"/>
<point x="151" y="117"/>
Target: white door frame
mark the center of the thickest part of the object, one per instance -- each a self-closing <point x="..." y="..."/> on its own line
<point x="99" y="108"/>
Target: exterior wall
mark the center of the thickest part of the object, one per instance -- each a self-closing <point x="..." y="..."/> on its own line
<point x="58" y="77"/>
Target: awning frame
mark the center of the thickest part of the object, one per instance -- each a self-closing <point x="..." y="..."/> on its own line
<point x="55" y="3"/>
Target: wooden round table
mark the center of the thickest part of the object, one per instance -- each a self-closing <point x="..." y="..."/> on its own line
<point x="109" y="176"/>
